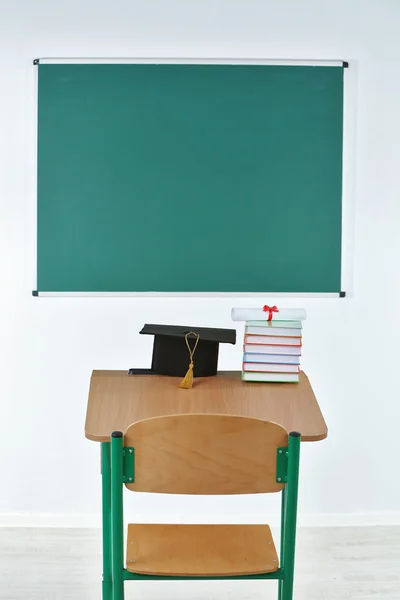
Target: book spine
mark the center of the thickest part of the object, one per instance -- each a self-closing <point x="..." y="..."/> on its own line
<point x="278" y="349"/>
<point x="251" y="330"/>
<point x="271" y="368"/>
<point x="275" y="324"/>
<point x="265" y="379"/>
<point x="270" y="341"/>
<point x="258" y="314"/>
<point x="278" y="359"/>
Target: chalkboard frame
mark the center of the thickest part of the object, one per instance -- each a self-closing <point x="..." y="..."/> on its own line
<point x="347" y="241"/>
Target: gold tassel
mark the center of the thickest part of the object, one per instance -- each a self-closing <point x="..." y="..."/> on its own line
<point x="187" y="381"/>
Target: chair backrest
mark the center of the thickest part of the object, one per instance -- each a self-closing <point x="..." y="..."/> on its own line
<point x="205" y="454"/>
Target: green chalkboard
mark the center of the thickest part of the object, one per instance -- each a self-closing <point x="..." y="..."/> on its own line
<point x="189" y="178"/>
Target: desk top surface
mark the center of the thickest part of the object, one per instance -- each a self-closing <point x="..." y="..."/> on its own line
<point x="117" y="399"/>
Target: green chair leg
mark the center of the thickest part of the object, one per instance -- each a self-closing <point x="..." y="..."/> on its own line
<point x="282" y="545"/>
<point x="106" y="520"/>
<point x="286" y="589"/>
<point x="117" y="515"/>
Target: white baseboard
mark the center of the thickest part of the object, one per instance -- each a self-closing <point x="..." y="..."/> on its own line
<point x="80" y="521"/>
<point x="93" y="521"/>
<point x="349" y="519"/>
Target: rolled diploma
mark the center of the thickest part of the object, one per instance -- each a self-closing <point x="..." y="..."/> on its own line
<point x="258" y="314"/>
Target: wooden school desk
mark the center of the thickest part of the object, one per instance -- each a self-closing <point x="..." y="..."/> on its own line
<point x="117" y="399"/>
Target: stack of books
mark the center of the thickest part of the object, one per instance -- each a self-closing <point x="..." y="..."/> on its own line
<point x="272" y="344"/>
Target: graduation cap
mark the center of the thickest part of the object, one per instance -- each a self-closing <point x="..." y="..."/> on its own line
<point x="177" y="347"/>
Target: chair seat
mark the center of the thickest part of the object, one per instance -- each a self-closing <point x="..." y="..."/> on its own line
<point x="200" y="550"/>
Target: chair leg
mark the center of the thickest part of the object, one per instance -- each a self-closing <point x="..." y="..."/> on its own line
<point x="282" y="546"/>
<point x="290" y="517"/>
<point x="106" y="520"/>
<point x="118" y="590"/>
<point x="287" y="589"/>
<point x="107" y="590"/>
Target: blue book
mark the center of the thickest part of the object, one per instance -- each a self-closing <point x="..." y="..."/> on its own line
<point x="282" y="359"/>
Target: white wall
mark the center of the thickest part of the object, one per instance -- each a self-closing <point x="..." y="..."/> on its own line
<point x="49" y="346"/>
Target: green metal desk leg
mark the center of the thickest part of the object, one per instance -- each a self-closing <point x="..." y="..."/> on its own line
<point x="117" y="535"/>
<point x="281" y="554"/>
<point x="106" y="521"/>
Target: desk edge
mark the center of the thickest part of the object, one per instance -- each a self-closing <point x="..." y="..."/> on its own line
<point x="307" y="438"/>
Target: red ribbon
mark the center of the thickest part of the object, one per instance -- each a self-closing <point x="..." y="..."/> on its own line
<point x="270" y="310"/>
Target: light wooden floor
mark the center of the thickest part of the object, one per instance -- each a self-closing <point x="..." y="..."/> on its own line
<point x="332" y="564"/>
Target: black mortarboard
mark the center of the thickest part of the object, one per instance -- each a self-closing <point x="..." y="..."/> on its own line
<point x="171" y="354"/>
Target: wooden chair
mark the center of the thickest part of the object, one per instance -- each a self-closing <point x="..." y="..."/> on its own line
<point x="204" y="454"/>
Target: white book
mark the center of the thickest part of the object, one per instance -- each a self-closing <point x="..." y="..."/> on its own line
<point x="275" y="324"/>
<point x="260" y="349"/>
<point x="272" y="340"/>
<point x="268" y="368"/>
<point x="284" y="331"/>
<point x="259" y="314"/>
<point x="283" y="359"/>
<point x="271" y="377"/>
